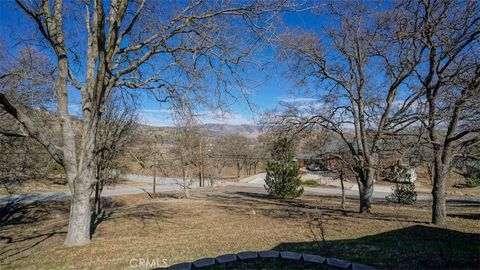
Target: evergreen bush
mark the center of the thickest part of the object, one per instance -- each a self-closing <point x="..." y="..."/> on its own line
<point x="472" y="182"/>
<point x="403" y="193"/>
<point x="283" y="174"/>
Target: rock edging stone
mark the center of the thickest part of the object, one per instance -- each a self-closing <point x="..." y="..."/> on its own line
<point x="272" y="254"/>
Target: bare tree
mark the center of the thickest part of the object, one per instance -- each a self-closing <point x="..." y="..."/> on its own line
<point x="187" y="149"/>
<point x="115" y="132"/>
<point x="217" y="162"/>
<point x="200" y="151"/>
<point x="26" y="80"/>
<point x="172" y="49"/>
<point x="255" y="155"/>
<point x="324" y="145"/>
<point x="449" y="75"/>
<point x="357" y="67"/>
<point x="235" y="148"/>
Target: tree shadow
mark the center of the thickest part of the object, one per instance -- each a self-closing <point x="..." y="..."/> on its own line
<point x="474" y="216"/>
<point x="109" y="207"/>
<point x="465" y="203"/>
<point x="23" y="225"/>
<point x="464" y="206"/>
<point x="263" y="204"/>
<point x="254" y="195"/>
<point x="37" y="239"/>
<point x="27" y="225"/>
<point x="149" y="212"/>
<point x="142" y="213"/>
<point x="22" y="211"/>
<point x="14" y="212"/>
<point x="415" y="247"/>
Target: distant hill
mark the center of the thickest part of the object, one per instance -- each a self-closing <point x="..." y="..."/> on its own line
<point x="251" y="131"/>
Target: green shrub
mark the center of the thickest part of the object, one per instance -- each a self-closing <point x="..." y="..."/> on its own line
<point x="473" y="182"/>
<point x="310" y="182"/>
<point x="283" y="174"/>
<point x="403" y="193"/>
<point x="283" y="179"/>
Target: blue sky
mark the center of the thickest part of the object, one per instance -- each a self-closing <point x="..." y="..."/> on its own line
<point x="264" y="96"/>
<point x="274" y="88"/>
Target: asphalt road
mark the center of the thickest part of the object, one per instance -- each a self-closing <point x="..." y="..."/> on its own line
<point x="171" y="184"/>
<point x="59" y="195"/>
<point x="162" y="184"/>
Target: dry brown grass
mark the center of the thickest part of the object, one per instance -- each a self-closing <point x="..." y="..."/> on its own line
<point x="214" y="222"/>
<point x="37" y="186"/>
<point x="32" y="186"/>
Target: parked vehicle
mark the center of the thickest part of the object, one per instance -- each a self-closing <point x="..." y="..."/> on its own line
<point x="317" y="167"/>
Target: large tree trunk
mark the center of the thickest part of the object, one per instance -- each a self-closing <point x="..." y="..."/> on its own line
<point x="439" y="205"/>
<point x="439" y="196"/>
<point x="80" y="212"/>
<point x="80" y="215"/>
<point x="365" y="189"/>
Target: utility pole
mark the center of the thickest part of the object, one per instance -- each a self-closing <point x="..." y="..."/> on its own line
<point x="200" y="174"/>
<point x="155" y="164"/>
<point x="343" y="188"/>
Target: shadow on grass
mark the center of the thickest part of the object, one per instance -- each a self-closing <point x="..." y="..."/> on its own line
<point x="32" y="240"/>
<point x="17" y="213"/>
<point x="465" y="202"/>
<point x="263" y="204"/>
<point x="466" y="206"/>
<point x="474" y="216"/>
<point x="415" y="247"/>
<point x="109" y="207"/>
<point x="144" y="213"/>
<point x="21" y="211"/>
<point x="25" y="225"/>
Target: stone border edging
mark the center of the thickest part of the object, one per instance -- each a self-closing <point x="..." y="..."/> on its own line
<point x="247" y="255"/>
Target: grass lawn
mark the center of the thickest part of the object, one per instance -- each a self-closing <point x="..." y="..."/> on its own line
<point x="310" y="182"/>
<point x="34" y="186"/>
<point x="220" y="220"/>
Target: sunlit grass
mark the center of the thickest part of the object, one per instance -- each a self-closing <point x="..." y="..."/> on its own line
<point x="219" y="221"/>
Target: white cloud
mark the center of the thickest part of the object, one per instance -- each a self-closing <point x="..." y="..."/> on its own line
<point x="297" y="99"/>
<point x="163" y="117"/>
<point x="157" y="117"/>
<point x="156" y="110"/>
<point x="157" y="121"/>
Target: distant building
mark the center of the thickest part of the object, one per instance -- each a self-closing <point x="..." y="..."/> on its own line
<point x="317" y="162"/>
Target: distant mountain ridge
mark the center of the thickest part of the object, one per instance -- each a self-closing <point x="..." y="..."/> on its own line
<point x="251" y="131"/>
